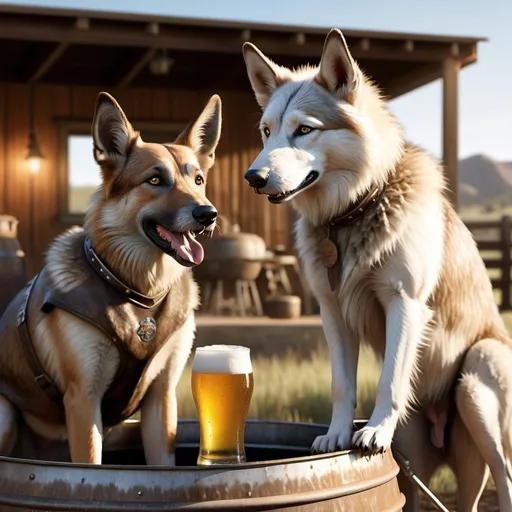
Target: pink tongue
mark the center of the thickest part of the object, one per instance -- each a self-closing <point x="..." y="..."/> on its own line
<point x="185" y="245"/>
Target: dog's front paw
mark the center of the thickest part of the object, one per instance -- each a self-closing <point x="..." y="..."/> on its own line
<point x="376" y="439"/>
<point x="335" y="439"/>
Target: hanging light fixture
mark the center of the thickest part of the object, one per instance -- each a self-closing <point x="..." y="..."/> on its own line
<point x="161" y="64"/>
<point x="34" y="156"/>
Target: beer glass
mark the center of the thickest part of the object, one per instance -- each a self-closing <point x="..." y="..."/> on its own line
<point x="222" y="385"/>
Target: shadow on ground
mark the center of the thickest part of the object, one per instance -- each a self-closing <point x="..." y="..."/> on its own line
<point x="488" y="502"/>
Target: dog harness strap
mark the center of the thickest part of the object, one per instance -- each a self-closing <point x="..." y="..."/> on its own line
<point x="138" y="334"/>
<point x="44" y="382"/>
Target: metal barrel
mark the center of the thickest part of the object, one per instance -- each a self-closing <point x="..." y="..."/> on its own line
<point x="280" y="475"/>
<point x="12" y="261"/>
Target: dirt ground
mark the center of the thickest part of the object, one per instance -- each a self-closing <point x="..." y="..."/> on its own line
<point x="488" y="502"/>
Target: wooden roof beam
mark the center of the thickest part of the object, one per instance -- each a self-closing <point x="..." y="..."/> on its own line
<point x="413" y="80"/>
<point x="110" y="33"/>
<point x="82" y="23"/>
<point x="45" y="13"/>
<point x="364" y="45"/>
<point x="422" y="75"/>
<point x="48" y="62"/>
<point x="152" y="29"/>
<point x="136" y="69"/>
<point x="299" y="38"/>
<point x="409" y="46"/>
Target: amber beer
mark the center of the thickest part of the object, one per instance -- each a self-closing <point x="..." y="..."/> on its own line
<point x="222" y="385"/>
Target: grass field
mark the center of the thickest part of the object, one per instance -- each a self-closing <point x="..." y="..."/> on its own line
<point x="296" y="389"/>
<point x="290" y="388"/>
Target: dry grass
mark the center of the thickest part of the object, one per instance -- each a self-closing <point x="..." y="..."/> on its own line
<point x="296" y="389"/>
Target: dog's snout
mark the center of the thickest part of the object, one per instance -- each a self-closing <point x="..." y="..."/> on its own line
<point x="205" y="215"/>
<point x="257" y="178"/>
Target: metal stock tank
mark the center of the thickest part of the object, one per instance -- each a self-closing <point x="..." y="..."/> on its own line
<point x="280" y="475"/>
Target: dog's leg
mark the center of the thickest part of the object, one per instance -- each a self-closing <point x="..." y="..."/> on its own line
<point x="159" y="409"/>
<point x="478" y="402"/>
<point x="8" y="426"/>
<point x="159" y="421"/>
<point x="404" y="327"/>
<point x="344" y="351"/>
<point x="84" y="425"/>
<point x="469" y="467"/>
<point x="412" y="439"/>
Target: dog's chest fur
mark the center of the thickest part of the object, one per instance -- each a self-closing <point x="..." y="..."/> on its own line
<point x="414" y="232"/>
<point x="71" y="349"/>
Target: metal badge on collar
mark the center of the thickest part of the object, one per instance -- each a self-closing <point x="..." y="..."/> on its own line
<point x="147" y="329"/>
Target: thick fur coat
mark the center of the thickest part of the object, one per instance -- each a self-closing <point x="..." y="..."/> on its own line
<point x="412" y="283"/>
<point x="142" y="223"/>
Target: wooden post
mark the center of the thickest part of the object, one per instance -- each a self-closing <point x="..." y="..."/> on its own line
<point x="506" y="225"/>
<point x="450" y="125"/>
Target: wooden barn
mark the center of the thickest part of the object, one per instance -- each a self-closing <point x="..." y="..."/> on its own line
<point x="162" y="70"/>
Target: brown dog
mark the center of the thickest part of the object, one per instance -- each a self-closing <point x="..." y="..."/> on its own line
<point x="107" y="325"/>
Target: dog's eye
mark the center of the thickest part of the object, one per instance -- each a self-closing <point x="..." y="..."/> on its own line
<point x="304" y="130"/>
<point x="266" y="131"/>
<point x="199" y="180"/>
<point x="154" y="180"/>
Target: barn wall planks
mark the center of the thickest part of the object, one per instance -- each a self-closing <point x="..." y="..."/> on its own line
<point x="37" y="209"/>
<point x="3" y="145"/>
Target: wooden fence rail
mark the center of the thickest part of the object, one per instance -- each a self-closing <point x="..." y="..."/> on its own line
<point x="495" y="237"/>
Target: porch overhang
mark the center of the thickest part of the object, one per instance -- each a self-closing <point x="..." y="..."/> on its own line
<point x="69" y="46"/>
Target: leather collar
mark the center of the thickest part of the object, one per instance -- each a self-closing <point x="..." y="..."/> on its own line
<point x="131" y="295"/>
<point x="356" y="210"/>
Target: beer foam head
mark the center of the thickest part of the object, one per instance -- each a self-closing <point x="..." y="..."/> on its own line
<point x="227" y="359"/>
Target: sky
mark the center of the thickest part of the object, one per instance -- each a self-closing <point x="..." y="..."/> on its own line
<point x="485" y="100"/>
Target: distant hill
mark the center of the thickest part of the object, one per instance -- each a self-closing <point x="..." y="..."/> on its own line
<point x="484" y="180"/>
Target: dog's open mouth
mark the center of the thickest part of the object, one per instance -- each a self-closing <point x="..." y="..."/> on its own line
<point x="285" y="196"/>
<point x="183" y="247"/>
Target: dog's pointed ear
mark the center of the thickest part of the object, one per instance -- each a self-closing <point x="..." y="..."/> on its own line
<point x="203" y="134"/>
<point x="265" y="76"/>
<point x="338" y="72"/>
<point x="112" y="134"/>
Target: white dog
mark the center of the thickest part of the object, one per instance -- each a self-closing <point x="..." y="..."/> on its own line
<point x="391" y="264"/>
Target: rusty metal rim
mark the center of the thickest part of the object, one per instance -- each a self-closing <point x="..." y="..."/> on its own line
<point x="137" y="467"/>
<point x="251" y="504"/>
<point x="273" y="462"/>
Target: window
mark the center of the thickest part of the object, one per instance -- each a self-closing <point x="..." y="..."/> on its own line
<point x="83" y="173"/>
<point x="79" y="172"/>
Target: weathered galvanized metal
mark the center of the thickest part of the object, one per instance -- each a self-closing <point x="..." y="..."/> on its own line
<point x="283" y="476"/>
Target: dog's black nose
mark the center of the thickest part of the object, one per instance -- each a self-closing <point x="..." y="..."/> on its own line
<point x="257" y="178"/>
<point x="205" y="215"/>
